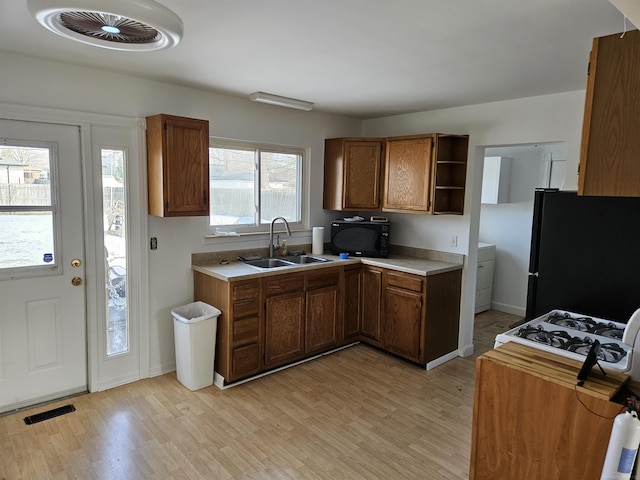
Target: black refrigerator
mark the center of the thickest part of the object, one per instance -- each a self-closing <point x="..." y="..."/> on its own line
<point x="585" y="255"/>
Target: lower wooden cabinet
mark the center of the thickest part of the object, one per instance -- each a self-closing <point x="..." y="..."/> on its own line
<point x="352" y="302"/>
<point x="403" y="300"/>
<point x="362" y="314"/>
<point x="284" y="324"/>
<point x="239" y="343"/>
<point x="413" y="316"/>
<point x="531" y="421"/>
<point x="421" y="314"/>
<point x="278" y="319"/>
<point x="322" y="317"/>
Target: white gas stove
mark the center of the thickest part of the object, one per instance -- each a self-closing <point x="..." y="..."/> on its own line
<point x="571" y="335"/>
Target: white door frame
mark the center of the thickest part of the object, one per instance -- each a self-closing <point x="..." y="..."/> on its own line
<point x="92" y="213"/>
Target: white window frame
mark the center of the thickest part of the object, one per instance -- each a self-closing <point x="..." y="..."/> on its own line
<point x="302" y="190"/>
<point x="30" y="271"/>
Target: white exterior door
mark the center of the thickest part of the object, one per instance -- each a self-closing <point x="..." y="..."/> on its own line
<point x="43" y="339"/>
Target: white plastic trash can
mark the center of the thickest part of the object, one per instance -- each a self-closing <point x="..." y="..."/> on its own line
<point x="194" y="331"/>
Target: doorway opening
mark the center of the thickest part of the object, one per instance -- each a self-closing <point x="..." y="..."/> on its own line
<point x="510" y="176"/>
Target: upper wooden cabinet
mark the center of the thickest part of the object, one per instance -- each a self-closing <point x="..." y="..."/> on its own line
<point x="422" y="174"/>
<point x="178" y="166"/>
<point x="610" y="141"/>
<point x="352" y="168"/>
<point x="449" y="174"/>
<point x="407" y="172"/>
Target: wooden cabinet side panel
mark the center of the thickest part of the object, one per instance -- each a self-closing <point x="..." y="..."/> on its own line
<point x="609" y="164"/>
<point x="332" y="192"/>
<point x="155" y="177"/>
<point x="442" y="316"/>
<point x="526" y="427"/>
<point x="216" y="293"/>
<point x="408" y="174"/>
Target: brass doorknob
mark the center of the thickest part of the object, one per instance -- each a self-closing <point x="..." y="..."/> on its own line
<point x="76" y="281"/>
<point x="75" y="263"/>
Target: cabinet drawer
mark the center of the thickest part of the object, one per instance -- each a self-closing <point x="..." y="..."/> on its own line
<point x="283" y="284"/>
<point x="485" y="274"/>
<point x="407" y="282"/>
<point x="248" y="307"/>
<point x="323" y="279"/>
<point x="243" y="291"/>
<point x="246" y="361"/>
<point x="246" y="330"/>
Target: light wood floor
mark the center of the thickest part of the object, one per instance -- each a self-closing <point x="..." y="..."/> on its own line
<point x="356" y="414"/>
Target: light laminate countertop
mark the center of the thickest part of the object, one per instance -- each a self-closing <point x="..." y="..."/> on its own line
<point x="236" y="270"/>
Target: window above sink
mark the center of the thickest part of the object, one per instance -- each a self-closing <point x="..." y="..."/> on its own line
<point x="250" y="184"/>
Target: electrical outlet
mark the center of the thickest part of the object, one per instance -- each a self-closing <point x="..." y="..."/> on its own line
<point x="153" y="243"/>
<point x="453" y="241"/>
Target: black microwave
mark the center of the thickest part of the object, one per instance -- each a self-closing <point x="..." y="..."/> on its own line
<point x="360" y="239"/>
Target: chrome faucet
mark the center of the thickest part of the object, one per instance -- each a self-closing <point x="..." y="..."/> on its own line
<point x="273" y="247"/>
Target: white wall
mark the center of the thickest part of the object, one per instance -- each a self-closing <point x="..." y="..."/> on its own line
<point x="550" y="118"/>
<point x="508" y="225"/>
<point x="43" y="83"/>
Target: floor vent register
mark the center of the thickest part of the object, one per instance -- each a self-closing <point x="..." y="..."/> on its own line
<point x="56" y="412"/>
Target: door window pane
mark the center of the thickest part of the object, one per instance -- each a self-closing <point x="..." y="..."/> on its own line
<point x="27" y="228"/>
<point x="115" y="250"/>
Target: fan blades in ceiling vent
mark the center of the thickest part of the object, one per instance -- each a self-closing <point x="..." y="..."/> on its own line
<point x="105" y="26"/>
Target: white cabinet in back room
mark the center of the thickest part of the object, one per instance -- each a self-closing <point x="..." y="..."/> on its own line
<point x="484" y="279"/>
<point x="496" y="179"/>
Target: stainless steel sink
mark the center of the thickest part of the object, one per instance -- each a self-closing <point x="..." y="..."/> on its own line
<point x="285" y="261"/>
<point x="269" y="263"/>
<point x="300" y="259"/>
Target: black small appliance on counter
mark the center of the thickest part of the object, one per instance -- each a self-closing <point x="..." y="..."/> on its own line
<point x="360" y="238"/>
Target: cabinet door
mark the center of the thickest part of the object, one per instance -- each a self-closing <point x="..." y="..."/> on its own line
<point x="284" y="324"/>
<point x="352" y="296"/>
<point x="352" y="171"/>
<point x="321" y="325"/>
<point x="408" y="174"/>
<point x="178" y="166"/>
<point x="485" y="274"/>
<point x="370" y="302"/>
<point x="403" y="322"/>
<point x="362" y="175"/>
<point x="610" y="140"/>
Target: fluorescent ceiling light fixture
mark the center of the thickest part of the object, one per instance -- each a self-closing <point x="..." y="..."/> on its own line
<point x="132" y="25"/>
<point x="281" y="101"/>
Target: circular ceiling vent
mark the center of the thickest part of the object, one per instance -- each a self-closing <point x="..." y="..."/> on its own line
<point x="137" y="25"/>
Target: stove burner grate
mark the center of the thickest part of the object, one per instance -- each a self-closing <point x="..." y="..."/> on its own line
<point x="585" y="324"/>
<point x="539" y="335"/>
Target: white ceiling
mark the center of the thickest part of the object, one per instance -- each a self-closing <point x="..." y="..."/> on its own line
<point x="361" y="58"/>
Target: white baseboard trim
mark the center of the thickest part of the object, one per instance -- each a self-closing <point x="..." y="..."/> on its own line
<point x="512" y="309"/>
<point x="34" y="402"/>
<point x="117" y="381"/>
<point x="467" y="351"/>
<point x="218" y="380"/>
<point x="442" y="359"/>
<point x="162" y="369"/>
